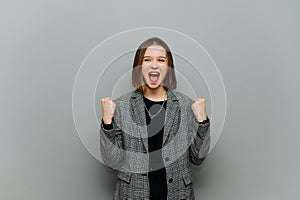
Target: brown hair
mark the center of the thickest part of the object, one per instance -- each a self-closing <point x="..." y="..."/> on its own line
<point x="137" y="79"/>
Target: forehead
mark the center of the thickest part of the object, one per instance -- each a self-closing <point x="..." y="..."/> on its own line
<point x="155" y="50"/>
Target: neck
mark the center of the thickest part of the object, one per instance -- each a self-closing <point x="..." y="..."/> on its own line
<point x="157" y="94"/>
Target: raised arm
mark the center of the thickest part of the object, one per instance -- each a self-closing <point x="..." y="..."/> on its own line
<point x="199" y="128"/>
<point x="111" y="135"/>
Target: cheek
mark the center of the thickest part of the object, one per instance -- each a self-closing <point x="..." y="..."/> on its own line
<point x="164" y="72"/>
<point x="144" y="72"/>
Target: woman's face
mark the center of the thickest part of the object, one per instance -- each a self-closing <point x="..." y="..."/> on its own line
<point x="154" y="66"/>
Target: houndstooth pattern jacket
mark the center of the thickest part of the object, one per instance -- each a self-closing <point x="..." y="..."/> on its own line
<point x="125" y="147"/>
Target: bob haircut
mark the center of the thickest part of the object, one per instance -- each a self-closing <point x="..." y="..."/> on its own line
<point x="137" y="77"/>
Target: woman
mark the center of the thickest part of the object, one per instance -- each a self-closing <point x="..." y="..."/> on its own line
<point x="152" y="134"/>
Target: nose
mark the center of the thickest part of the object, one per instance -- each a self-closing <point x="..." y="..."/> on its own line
<point x="154" y="65"/>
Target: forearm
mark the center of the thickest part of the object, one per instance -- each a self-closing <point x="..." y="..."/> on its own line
<point x="111" y="144"/>
<point x="200" y="145"/>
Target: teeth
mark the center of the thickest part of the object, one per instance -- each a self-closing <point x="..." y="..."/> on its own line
<point x="154" y="73"/>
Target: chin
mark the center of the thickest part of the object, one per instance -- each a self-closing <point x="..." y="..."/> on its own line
<point x="154" y="86"/>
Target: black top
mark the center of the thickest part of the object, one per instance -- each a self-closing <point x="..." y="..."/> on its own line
<point x="155" y="129"/>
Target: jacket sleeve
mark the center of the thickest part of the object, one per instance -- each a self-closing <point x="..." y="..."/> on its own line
<point x="111" y="142"/>
<point x="200" y="141"/>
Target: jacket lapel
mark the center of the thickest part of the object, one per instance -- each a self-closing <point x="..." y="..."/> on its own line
<point x="171" y="114"/>
<point x="137" y="111"/>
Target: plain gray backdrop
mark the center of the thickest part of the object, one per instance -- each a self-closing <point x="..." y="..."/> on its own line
<point x="255" y="45"/>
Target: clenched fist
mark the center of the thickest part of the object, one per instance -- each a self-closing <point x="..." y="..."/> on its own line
<point x="108" y="109"/>
<point x="199" y="109"/>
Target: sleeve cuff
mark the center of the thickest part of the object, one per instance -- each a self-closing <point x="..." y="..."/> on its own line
<point x="108" y="126"/>
<point x="205" y="121"/>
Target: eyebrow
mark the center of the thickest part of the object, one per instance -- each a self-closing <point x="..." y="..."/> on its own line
<point x="158" y="56"/>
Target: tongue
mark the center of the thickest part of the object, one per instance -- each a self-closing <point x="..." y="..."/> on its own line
<point x="153" y="78"/>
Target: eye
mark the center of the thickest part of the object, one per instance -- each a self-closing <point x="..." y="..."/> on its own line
<point x="161" y="60"/>
<point x="146" y="59"/>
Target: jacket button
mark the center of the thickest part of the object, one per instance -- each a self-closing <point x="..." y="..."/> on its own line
<point x="170" y="180"/>
<point x="167" y="159"/>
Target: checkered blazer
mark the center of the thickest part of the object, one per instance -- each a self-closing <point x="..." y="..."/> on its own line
<point x="125" y="147"/>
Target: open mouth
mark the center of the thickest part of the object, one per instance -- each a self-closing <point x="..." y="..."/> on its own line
<point x="153" y="76"/>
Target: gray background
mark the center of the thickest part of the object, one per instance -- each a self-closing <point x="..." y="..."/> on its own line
<point x="254" y="43"/>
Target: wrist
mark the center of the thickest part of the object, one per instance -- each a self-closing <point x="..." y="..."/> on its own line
<point x="206" y="121"/>
<point x="202" y="118"/>
<point x="107" y="120"/>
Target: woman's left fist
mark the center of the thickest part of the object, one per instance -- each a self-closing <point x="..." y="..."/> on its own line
<point x="199" y="109"/>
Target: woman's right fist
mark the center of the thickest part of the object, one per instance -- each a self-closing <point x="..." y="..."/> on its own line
<point x="108" y="109"/>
